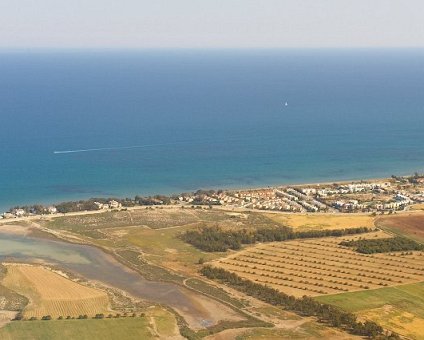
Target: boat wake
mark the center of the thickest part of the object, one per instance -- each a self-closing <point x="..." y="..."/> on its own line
<point x="111" y="148"/>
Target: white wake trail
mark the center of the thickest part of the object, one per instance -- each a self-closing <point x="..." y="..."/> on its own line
<point x="144" y="146"/>
<point x="110" y="148"/>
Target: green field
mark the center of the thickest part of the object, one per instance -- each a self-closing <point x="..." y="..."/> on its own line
<point x="399" y="308"/>
<point x="164" y="246"/>
<point x="123" y="328"/>
<point x="408" y="297"/>
<point x="77" y="329"/>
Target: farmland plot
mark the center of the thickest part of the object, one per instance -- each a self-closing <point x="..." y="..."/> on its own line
<point x="51" y="294"/>
<point x="321" y="266"/>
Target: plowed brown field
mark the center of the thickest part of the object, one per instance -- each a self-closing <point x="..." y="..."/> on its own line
<point x="411" y="225"/>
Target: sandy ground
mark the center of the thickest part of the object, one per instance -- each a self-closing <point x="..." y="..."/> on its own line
<point x="214" y="310"/>
<point x="14" y="229"/>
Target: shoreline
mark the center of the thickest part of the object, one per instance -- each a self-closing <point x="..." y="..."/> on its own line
<point x="228" y="188"/>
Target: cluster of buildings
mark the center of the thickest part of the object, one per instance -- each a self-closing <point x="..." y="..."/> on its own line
<point x="376" y="196"/>
<point x="366" y="197"/>
<point x="363" y="196"/>
<point x="397" y="193"/>
<point x="20" y="212"/>
<point x="280" y="199"/>
<point x="108" y="205"/>
<point x="40" y="210"/>
<point x="343" y="189"/>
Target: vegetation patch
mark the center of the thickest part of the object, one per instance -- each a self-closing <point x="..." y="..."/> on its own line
<point x="154" y="325"/>
<point x="147" y="270"/>
<point x="10" y="300"/>
<point x="399" y="308"/>
<point x="305" y="306"/>
<point x="383" y="245"/>
<point x="216" y="292"/>
<point x="216" y="239"/>
<point x="162" y="247"/>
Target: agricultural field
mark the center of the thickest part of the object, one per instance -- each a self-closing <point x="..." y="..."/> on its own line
<point x="52" y="294"/>
<point x="399" y="308"/>
<point x="149" y="240"/>
<point x="321" y="266"/>
<point x="321" y="221"/>
<point x="157" y="323"/>
<point x="410" y="225"/>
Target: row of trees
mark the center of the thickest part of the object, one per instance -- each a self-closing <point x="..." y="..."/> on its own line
<point x="152" y="200"/>
<point x="304" y="306"/>
<point x="213" y="239"/>
<point x="19" y="316"/>
<point x="73" y="206"/>
<point x="383" y="245"/>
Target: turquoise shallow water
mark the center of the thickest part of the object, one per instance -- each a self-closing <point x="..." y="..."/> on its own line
<point x="204" y="119"/>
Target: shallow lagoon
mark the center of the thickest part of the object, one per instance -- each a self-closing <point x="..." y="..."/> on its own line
<point x="94" y="264"/>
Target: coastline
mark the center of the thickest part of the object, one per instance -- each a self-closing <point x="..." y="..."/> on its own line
<point x="227" y="188"/>
<point x="104" y="193"/>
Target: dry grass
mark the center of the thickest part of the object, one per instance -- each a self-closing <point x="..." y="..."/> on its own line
<point x="51" y="294"/>
<point x="154" y="218"/>
<point x="320" y="266"/>
<point x="402" y="322"/>
<point x="322" y="221"/>
<point x="419" y="206"/>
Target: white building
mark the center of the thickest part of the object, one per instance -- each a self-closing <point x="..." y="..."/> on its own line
<point x="114" y="204"/>
<point x="52" y="210"/>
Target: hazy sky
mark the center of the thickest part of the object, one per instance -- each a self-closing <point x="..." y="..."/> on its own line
<point x="211" y="23"/>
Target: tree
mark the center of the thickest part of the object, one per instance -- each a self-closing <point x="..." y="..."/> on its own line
<point x="305" y="306"/>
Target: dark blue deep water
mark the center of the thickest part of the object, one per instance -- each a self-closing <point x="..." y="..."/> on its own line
<point x="204" y="119"/>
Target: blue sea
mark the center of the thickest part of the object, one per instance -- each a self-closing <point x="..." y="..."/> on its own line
<point x="169" y="121"/>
